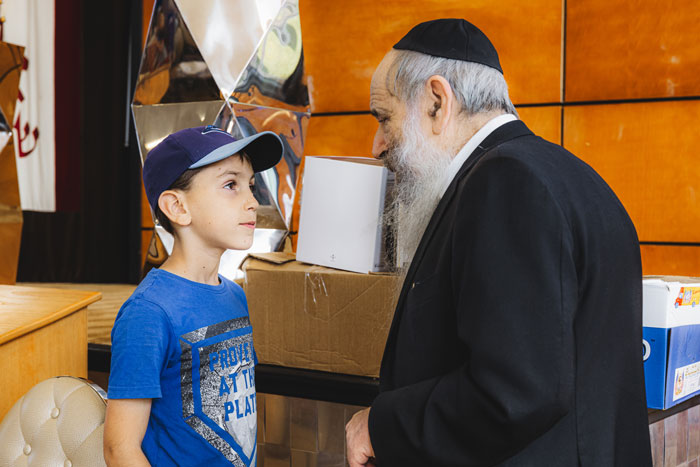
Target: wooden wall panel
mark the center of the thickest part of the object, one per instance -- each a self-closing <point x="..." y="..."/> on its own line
<point x="146" y="236"/>
<point x="10" y="215"/>
<point x="671" y="260"/>
<point x="146" y="217"/>
<point x="352" y="135"/>
<point x="343" y="135"/>
<point x="56" y="349"/>
<point x="625" y="49"/>
<point x="344" y="41"/>
<point x="543" y="121"/>
<point x="647" y="152"/>
<point x="10" y="239"/>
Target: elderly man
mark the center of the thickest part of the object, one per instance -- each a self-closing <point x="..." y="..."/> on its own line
<point x="516" y="337"/>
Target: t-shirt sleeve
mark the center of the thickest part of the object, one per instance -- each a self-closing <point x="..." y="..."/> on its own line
<point x="140" y="339"/>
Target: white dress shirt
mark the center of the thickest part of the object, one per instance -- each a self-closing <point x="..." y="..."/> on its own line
<point x="471" y="145"/>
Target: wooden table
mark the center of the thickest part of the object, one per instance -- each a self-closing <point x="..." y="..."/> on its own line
<point x="43" y="333"/>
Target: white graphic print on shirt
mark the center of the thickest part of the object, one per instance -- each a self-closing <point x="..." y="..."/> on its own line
<point x="217" y="375"/>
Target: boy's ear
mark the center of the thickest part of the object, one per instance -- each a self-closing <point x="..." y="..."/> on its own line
<point x="173" y="205"/>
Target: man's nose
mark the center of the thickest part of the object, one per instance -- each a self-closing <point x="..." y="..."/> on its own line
<point x="379" y="144"/>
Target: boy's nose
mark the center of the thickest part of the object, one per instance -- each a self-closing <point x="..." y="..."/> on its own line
<point x="252" y="203"/>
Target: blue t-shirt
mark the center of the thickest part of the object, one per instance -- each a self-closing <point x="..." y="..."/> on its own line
<point x="189" y="347"/>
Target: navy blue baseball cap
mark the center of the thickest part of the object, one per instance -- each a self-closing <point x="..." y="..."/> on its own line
<point x="193" y="148"/>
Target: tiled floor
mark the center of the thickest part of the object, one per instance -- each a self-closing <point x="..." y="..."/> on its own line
<point x="301" y="432"/>
<point x="675" y="441"/>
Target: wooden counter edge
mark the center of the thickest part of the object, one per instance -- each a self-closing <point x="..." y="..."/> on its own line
<point x="88" y="298"/>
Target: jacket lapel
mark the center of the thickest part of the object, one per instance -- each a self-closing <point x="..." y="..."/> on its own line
<point x="502" y="134"/>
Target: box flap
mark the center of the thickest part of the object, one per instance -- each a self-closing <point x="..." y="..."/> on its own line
<point x="275" y="257"/>
<point x="680" y="279"/>
<point x="354" y="159"/>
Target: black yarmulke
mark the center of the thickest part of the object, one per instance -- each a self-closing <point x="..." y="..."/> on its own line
<point x="451" y="38"/>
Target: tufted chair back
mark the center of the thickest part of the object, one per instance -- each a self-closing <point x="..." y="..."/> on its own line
<point x="58" y="422"/>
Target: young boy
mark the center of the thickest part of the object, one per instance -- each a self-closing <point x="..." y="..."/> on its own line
<point x="182" y="380"/>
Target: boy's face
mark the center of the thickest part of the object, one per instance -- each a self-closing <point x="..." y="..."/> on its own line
<point x="222" y="205"/>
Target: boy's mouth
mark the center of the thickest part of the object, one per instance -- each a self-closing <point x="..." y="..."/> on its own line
<point x="250" y="225"/>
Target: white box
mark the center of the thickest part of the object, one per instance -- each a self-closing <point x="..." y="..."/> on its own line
<point x="342" y="203"/>
<point x="671" y="339"/>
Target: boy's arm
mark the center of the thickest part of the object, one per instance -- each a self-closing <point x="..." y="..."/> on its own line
<point x="125" y="425"/>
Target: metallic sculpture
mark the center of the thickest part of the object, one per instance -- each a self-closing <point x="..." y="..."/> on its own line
<point x="11" y="63"/>
<point x="238" y="64"/>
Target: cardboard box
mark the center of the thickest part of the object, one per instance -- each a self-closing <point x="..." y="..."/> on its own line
<point x="318" y="318"/>
<point x="671" y="339"/>
<point x="342" y="203"/>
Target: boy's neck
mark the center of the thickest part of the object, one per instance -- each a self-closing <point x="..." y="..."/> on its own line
<point x="195" y="263"/>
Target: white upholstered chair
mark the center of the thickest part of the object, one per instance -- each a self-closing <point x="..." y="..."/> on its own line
<point x="58" y="422"/>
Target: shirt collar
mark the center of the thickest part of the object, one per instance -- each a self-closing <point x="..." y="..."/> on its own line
<point x="471" y="145"/>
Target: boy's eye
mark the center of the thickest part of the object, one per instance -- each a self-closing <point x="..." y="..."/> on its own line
<point x="252" y="187"/>
<point x="230" y="185"/>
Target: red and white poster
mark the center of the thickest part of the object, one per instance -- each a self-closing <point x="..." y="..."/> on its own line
<point x="31" y="23"/>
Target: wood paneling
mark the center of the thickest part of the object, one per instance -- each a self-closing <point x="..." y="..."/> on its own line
<point x="43" y="333"/>
<point x="543" y="121"/>
<point x="647" y="152"/>
<point x="9" y="187"/>
<point x="146" y="236"/>
<point x="58" y="349"/>
<point x="352" y="135"/>
<point x="10" y="215"/>
<point x="146" y="217"/>
<point x="344" y="135"/>
<point x="345" y="40"/>
<point x="10" y="239"/>
<point x="671" y="260"/>
<point x="25" y="309"/>
<point x="622" y="49"/>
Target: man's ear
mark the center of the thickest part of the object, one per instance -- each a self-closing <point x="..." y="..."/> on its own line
<point x="173" y="205"/>
<point x="440" y="100"/>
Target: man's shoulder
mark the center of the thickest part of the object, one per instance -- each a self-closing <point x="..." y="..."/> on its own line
<point x="531" y="150"/>
<point x="535" y="156"/>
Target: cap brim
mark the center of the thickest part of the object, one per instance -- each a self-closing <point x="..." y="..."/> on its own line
<point x="265" y="150"/>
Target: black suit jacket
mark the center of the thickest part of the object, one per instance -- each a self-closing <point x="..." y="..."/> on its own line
<point x="516" y="339"/>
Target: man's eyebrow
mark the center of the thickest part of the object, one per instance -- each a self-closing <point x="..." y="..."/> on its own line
<point x="376" y="112"/>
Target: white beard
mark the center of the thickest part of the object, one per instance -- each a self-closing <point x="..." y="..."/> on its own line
<point x="421" y="169"/>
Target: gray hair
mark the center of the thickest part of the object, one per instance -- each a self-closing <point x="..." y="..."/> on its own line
<point x="478" y="88"/>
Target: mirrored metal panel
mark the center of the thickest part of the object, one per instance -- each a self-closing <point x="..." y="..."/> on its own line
<point x="227" y="33"/>
<point x="172" y="68"/>
<point x="275" y="75"/>
<point x="155" y="122"/>
<point x="214" y="47"/>
<point x="291" y="127"/>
